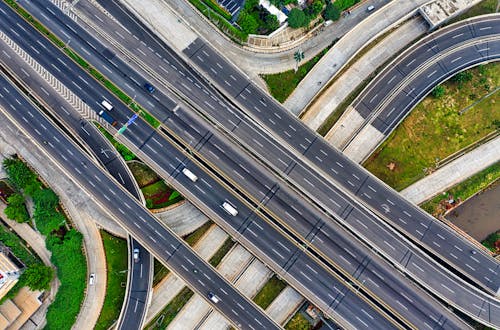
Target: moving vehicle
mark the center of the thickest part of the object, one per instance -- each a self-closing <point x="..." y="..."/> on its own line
<point x="230" y="209"/>
<point x="136" y="255"/>
<point x="189" y="174"/>
<point x="108" y="106"/>
<point x="107" y="117"/>
<point x="213" y="297"/>
<point x="91" y="279"/>
<point x="150" y="88"/>
<point x="370" y="8"/>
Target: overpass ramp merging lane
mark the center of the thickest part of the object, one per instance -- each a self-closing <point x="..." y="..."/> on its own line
<point x="390" y="97"/>
<point x="354" y="178"/>
<point x="167" y="247"/>
<point x="350" y="177"/>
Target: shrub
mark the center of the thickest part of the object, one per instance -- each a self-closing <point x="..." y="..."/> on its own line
<point x="438" y="91"/>
<point x="38" y="277"/>
<point x="331" y="12"/>
<point x="248" y="23"/>
<point x="16" y="210"/>
<point x="19" y="173"/>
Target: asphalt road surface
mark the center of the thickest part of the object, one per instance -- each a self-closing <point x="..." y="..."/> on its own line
<point x="345" y="298"/>
<point x="418" y="312"/>
<point x="170" y="249"/>
<point x="385" y="241"/>
<point x="424" y="230"/>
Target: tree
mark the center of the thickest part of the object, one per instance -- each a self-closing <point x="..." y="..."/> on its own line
<point x="19" y="173"/>
<point x="45" y="199"/>
<point x="296" y="18"/>
<point x="438" y="91"/>
<point x="315" y="8"/>
<point x="38" y="277"/>
<point x="248" y="23"/>
<point x="16" y="210"/>
<point x="272" y="22"/>
<point x="332" y="12"/>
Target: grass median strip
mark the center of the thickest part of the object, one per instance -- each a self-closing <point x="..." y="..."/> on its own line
<point x="117" y="267"/>
<point x="269" y="292"/>
<point x="85" y="65"/>
<point x="167" y="315"/>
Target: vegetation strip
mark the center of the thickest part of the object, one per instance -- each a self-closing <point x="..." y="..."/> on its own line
<point x="465" y="189"/>
<point x="282" y="84"/>
<point x="117" y="267"/>
<point x="65" y="243"/>
<point x="269" y="292"/>
<point x="80" y="61"/>
<point x="167" y="315"/>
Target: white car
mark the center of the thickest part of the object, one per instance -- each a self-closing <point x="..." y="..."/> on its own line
<point x="136" y="255"/>
<point x="91" y="279"/>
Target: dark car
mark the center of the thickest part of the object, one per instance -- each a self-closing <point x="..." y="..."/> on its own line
<point x="150" y="88"/>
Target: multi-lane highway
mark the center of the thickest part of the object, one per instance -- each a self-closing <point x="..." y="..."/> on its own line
<point x="327" y="288"/>
<point x="261" y="101"/>
<point x="412" y="75"/>
<point x="427" y="275"/>
<point x="165" y="245"/>
<point x="332" y="165"/>
<point x="416" y="312"/>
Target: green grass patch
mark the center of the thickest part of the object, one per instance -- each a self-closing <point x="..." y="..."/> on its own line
<point x="159" y="195"/>
<point x="65" y="245"/>
<point x="116" y="260"/>
<point x="121" y="148"/>
<point x="465" y="189"/>
<point x="298" y="322"/>
<point x="160" y="271"/>
<point x="163" y="319"/>
<point x="143" y="174"/>
<point x="145" y="115"/>
<point x="195" y="236"/>
<point x="282" y="84"/>
<point x="490" y="241"/>
<point x="269" y="292"/>
<point x="435" y="129"/>
<point x="221" y="252"/>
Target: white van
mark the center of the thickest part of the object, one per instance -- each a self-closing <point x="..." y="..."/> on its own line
<point x="107" y="105"/>
<point x="230" y="209"/>
<point x="189" y="174"/>
<point x="213" y="297"/>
